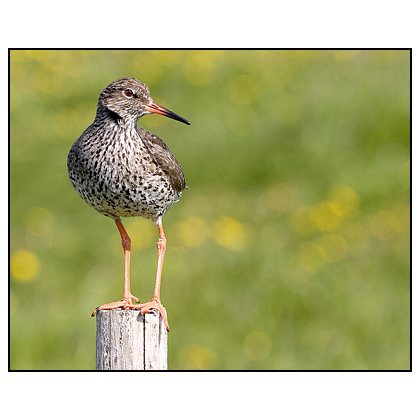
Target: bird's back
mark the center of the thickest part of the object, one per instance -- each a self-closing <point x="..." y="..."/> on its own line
<point x="164" y="159"/>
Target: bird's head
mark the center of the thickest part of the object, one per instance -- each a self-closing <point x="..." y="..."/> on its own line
<point x="129" y="99"/>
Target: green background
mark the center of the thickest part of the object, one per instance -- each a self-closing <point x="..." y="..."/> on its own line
<point x="290" y="249"/>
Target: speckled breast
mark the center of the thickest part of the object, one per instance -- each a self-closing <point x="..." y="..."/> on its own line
<point x="116" y="175"/>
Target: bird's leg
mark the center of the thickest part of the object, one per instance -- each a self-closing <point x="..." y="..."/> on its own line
<point x="126" y="300"/>
<point x="127" y="296"/>
<point x="161" y="246"/>
<point x="155" y="302"/>
<point x="126" y="243"/>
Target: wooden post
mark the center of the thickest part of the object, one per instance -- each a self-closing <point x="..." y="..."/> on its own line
<point x="128" y="340"/>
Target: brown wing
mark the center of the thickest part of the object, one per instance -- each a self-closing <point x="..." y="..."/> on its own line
<point x="164" y="158"/>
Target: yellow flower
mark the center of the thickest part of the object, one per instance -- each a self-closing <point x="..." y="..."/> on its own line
<point x="198" y="357"/>
<point x="24" y="265"/>
<point x="193" y="232"/>
<point x="230" y="233"/>
<point x="327" y="216"/>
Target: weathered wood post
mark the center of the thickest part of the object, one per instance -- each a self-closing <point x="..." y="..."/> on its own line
<point x="128" y="340"/>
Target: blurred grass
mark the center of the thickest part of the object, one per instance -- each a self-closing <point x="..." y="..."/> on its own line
<point x="290" y="250"/>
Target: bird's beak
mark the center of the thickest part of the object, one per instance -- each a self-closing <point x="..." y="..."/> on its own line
<point x="157" y="109"/>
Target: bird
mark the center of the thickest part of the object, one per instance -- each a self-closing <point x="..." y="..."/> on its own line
<point x="122" y="170"/>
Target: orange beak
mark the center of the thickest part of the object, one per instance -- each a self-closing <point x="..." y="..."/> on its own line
<point x="157" y="109"/>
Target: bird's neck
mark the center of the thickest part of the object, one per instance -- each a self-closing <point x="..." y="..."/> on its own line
<point x="109" y="118"/>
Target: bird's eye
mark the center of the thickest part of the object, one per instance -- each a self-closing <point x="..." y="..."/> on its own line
<point x="129" y="93"/>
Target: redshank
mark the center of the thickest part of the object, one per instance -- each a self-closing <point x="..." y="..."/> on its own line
<point x="122" y="170"/>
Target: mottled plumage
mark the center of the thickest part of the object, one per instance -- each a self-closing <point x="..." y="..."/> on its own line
<point x="124" y="171"/>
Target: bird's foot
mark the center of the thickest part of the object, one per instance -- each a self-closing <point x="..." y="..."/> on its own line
<point x="134" y="298"/>
<point x="144" y="307"/>
<point x="123" y="303"/>
<point x="154" y="304"/>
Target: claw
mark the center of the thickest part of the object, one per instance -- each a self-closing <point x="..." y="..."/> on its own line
<point x="136" y="299"/>
<point x="153" y="305"/>
<point x="123" y="303"/>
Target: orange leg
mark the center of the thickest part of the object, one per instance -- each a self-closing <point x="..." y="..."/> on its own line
<point x="125" y="302"/>
<point x="155" y="302"/>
